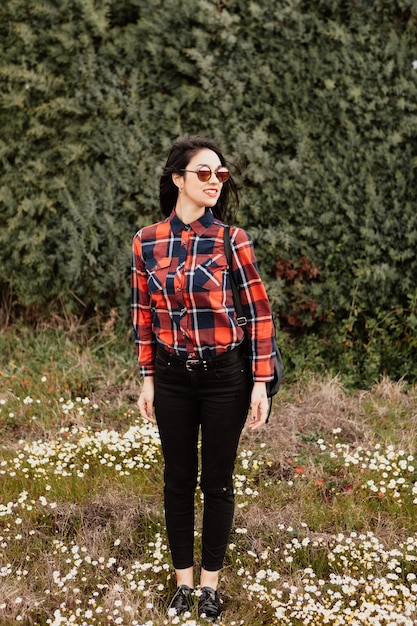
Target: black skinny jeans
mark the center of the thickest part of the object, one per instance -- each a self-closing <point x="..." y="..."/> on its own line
<point x="217" y="401"/>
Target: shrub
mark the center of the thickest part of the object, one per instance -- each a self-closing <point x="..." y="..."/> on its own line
<point x="315" y="102"/>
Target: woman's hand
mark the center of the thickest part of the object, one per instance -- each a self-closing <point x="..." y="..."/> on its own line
<point x="146" y="399"/>
<point x="259" y="406"/>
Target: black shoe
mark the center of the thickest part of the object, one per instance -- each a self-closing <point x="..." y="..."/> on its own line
<point x="182" y="601"/>
<point x="209" y="604"/>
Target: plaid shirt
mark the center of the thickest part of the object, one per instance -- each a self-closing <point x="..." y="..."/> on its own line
<point x="182" y="298"/>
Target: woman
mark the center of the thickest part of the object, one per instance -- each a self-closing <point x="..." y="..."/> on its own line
<point x="190" y="354"/>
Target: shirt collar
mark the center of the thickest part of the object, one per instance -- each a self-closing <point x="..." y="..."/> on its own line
<point x="199" y="226"/>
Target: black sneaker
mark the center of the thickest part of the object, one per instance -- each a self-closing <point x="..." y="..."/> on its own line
<point x="209" y="604"/>
<point x="182" y="601"/>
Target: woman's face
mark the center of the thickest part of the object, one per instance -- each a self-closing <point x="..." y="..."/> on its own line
<point x="194" y="193"/>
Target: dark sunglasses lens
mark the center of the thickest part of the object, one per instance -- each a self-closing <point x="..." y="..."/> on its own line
<point x="204" y="174"/>
<point x="222" y="174"/>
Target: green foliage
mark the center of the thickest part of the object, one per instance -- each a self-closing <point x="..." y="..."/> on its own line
<point x="368" y="345"/>
<point x="314" y="102"/>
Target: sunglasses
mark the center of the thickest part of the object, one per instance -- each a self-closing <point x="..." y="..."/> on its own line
<point x="204" y="173"/>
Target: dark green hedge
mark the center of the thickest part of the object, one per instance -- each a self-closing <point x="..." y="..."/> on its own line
<point x="316" y="102"/>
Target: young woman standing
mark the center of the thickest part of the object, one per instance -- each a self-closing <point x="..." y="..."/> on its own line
<point x="190" y="352"/>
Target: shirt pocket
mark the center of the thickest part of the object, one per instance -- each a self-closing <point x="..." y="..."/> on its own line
<point x="209" y="273"/>
<point x="157" y="272"/>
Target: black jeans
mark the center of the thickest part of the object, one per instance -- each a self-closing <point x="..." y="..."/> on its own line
<point x="217" y="401"/>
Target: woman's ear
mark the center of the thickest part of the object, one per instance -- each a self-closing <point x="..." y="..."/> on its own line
<point x="177" y="179"/>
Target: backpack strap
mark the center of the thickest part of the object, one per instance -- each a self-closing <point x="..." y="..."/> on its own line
<point x="240" y="318"/>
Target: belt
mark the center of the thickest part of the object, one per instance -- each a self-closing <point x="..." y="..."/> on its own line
<point x="203" y="365"/>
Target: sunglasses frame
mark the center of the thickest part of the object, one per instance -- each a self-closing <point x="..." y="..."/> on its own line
<point x="210" y="172"/>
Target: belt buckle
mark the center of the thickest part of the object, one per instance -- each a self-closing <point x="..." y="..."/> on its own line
<point x="190" y="364"/>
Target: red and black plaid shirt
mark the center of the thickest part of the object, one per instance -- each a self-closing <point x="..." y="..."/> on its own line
<point x="182" y="298"/>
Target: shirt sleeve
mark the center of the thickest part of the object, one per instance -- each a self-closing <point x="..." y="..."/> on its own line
<point x="141" y="311"/>
<point x="256" y="307"/>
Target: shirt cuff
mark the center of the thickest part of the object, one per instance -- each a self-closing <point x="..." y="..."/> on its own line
<point x="147" y="371"/>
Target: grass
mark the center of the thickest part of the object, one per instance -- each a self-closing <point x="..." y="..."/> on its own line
<point x="326" y="496"/>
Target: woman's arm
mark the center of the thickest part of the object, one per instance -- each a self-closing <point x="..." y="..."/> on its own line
<point x="141" y="311"/>
<point x="259" y="329"/>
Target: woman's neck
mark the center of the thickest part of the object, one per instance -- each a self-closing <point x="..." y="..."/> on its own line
<point x="189" y="214"/>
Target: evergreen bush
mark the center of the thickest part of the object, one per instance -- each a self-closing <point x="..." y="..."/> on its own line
<point x="316" y="103"/>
